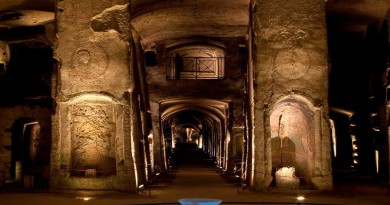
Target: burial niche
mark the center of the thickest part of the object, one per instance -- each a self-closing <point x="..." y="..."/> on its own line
<point x="291" y="142"/>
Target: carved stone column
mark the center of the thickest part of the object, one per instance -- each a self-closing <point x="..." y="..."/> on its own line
<point x="94" y="142"/>
<point x="290" y="59"/>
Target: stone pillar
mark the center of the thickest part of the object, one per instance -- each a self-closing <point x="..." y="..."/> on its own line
<point x="386" y="146"/>
<point x="387" y="135"/>
<point x="3" y="52"/>
<point x="3" y="64"/>
<point x="235" y="147"/>
<point x="93" y="126"/>
<point x="289" y="57"/>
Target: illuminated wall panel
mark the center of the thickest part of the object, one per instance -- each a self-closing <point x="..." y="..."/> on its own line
<point x="93" y="138"/>
<point x="292" y="137"/>
<point x="96" y="125"/>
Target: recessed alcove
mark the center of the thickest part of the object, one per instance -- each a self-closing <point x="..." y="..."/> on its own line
<point x="292" y="136"/>
<point x="91" y="151"/>
<point x="196" y="61"/>
<point x="93" y="138"/>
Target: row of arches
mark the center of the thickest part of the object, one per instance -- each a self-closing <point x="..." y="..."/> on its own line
<point x="202" y="122"/>
<point x="294" y="131"/>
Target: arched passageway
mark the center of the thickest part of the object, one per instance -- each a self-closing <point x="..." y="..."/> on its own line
<point x="195" y="132"/>
<point x="30" y="153"/>
<point x="190" y="136"/>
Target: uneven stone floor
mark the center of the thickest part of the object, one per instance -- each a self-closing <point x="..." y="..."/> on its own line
<point x="197" y="180"/>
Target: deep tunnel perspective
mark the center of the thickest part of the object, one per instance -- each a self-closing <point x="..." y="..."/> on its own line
<point x="123" y="95"/>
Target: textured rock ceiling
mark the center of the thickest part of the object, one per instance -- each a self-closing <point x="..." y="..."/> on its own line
<point x="161" y="19"/>
<point x="42" y="5"/>
<point x="175" y="19"/>
<point x="28" y="18"/>
<point x="158" y="19"/>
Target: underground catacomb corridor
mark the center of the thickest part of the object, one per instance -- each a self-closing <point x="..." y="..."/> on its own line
<point x="156" y="101"/>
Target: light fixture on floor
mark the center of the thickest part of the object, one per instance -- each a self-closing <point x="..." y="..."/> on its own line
<point x="300" y="198"/>
<point x="84" y="198"/>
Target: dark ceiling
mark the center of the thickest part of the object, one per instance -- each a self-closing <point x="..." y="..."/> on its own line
<point x="352" y="14"/>
<point x="356" y="14"/>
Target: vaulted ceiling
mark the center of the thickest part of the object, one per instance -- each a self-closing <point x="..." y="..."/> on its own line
<point x="206" y="17"/>
<point x="157" y="20"/>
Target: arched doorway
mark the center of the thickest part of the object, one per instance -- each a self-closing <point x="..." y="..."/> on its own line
<point x="30" y="153"/>
<point x="292" y="131"/>
<point x="197" y="123"/>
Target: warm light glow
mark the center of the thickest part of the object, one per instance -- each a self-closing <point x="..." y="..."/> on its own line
<point x="226" y="156"/>
<point x="300" y="198"/>
<point x="252" y="176"/>
<point x="200" y="144"/>
<point x="353" y="138"/>
<point x="151" y="151"/>
<point x="377" y="161"/>
<point x="92" y="97"/>
<point x="354" y="146"/>
<point x="146" y="163"/>
<point x="141" y="187"/>
<point x="18" y="171"/>
<point x="84" y="198"/>
<point x="334" y="143"/>
<point x="285" y="177"/>
<point x="189" y="134"/>
<point x="133" y="154"/>
<point x="164" y="153"/>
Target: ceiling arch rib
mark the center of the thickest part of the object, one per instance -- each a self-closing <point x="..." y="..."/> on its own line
<point x="178" y="110"/>
<point x="206" y="116"/>
<point x="172" y="106"/>
<point x="161" y="20"/>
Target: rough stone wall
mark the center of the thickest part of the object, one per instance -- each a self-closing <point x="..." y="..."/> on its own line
<point x="95" y="123"/>
<point x="93" y="134"/>
<point x="89" y="59"/>
<point x="236" y="148"/>
<point x="226" y="89"/>
<point x="289" y="57"/>
<point x="3" y="52"/>
<point x="8" y="116"/>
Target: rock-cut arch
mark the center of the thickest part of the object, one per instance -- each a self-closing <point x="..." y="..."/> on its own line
<point x="292" y="124"/>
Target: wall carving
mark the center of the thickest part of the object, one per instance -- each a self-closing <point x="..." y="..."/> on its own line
<point x="90" y="61"/>
<point x="93" y="139"/>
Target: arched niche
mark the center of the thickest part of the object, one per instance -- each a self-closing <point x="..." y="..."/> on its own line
<point x="27" y="154"/>
<point x="292" y="136"/>
<point x="93" y="134"/>
<point x="195" y="61"/>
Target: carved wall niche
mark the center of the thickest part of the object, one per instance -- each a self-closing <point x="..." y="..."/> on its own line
<point x="93" y="134"/>
<point x="292" y="136"/>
